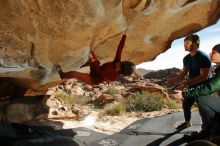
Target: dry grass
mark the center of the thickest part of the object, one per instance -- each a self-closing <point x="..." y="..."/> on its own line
<point x="67" y="99"/>
<point x="145" y="102"/>
<point x="114" y="109"/>
<point x="112" y="91"/>
<point x="172" y="104"/>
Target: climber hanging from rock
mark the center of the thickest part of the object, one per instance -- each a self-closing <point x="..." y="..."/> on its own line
<point x="108" y="72"/>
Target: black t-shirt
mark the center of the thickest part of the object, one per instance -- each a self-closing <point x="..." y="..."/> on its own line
<point x="194" y="63"/>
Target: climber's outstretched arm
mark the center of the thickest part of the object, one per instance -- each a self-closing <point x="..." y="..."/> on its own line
<point x="120" y="48"/>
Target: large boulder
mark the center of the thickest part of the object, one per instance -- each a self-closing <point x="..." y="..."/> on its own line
<point x="35" y="35"/>
<point x="25" y="109"/>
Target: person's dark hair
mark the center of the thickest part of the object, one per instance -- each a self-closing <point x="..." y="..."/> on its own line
<point x="217" y="48"/>
<point x="194" y="38"/>
<point x="127" y="68"/>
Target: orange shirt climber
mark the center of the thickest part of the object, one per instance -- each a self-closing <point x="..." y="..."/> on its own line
<point x="108" y="72"/>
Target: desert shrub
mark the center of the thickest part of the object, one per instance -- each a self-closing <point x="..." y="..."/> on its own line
<point x="67" y="99"/>
<point x="77" y="99"/>
<point x="81" y="99"/>
<point x="144" y="102"/>
<point x="172" y="104"/>
<point x="112" y="90"/>
<point x="114" y="109"/>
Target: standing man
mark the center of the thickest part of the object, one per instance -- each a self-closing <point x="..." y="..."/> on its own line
<point x="196" y="65"/>
<point x="208" y="105"/>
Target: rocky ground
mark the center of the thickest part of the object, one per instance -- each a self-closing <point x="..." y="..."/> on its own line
<point x="71" y="98"/>
<point x="65" y="116"/>
<point x="110" y="124"/>
<point x="74" y="104"/>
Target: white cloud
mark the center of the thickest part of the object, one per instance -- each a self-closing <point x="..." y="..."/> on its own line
<point x="174" y="56"/>
<point x="213" y="30"/>
<point x="207" y="44"/>
<point x="171" y="58"/>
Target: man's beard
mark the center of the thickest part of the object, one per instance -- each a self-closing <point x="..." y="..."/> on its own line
<point x="187" y="49"/>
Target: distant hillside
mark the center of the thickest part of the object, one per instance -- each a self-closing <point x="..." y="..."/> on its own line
<point x="142" y="71"/>
<point x="162" y="74"/>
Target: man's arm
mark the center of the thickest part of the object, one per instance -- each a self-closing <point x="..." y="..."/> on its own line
<point x="92" y="57"/>
<point x="208" y="87"/>
<point x="94" y="63"/>
<point x="120" y="48"/>
<point x="178" y="77"/>
<point x="204" y="72"/>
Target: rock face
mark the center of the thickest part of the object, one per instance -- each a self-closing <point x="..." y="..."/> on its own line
<point x="35" y="35"/>
<point x="26" y="109"/>
<point x="162" y="74"/>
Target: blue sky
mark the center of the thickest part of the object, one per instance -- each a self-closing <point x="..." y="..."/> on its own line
<point x="173" y="57"/>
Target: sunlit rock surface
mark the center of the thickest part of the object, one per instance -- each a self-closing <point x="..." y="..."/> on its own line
<point x="36" y="34"/>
